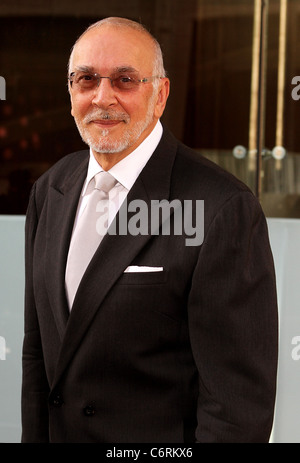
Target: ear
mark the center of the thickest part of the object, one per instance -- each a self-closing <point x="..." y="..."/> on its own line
<point x="163" y="93"/>
<point x="71" y="100"/>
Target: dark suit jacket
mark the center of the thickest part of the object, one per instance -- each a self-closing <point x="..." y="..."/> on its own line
<point x="189" y="353"/>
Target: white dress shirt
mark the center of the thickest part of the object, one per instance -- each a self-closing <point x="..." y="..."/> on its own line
<point x="125" y="172"/>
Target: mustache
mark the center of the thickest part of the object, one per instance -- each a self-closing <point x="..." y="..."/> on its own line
<point x="111" y="115"/>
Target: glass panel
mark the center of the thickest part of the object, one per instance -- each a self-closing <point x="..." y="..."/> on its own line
<point x="218" y="109"/>
<point x="245" y="56"/>
<point x="11" y="325"/>
<point x="281" y="177"/>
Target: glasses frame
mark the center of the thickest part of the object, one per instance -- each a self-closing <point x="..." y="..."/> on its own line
<point x="144" y="80"/>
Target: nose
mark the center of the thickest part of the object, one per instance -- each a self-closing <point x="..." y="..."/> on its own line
<point x="104" y="95"/>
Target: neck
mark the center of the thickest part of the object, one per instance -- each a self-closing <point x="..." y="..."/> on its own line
<point x="108" y="160"/>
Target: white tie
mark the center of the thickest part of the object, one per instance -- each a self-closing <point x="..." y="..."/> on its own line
<point x="88" y="234"/>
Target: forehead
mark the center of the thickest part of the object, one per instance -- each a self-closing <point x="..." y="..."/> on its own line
<point x="108" y="48"/>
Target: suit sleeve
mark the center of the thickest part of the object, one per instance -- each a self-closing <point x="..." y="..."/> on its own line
<point x="35" y="387"/>
<point x="233" y="326"/>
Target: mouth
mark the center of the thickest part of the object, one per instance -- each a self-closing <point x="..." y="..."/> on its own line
<point x="106" y="122"/>
<point x="106" y="119"/>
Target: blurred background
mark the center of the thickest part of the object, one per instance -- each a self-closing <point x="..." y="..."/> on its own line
<point x="233" y="66"/>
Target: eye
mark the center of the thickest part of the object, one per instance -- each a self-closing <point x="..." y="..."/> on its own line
<point x="85" y="80"/>
<point x="85" y="77"/>
<point x="126" y="79"/>
<point x="125" y="82"/>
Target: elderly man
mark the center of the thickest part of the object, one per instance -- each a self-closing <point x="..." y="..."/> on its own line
<point x="134" y="335"/>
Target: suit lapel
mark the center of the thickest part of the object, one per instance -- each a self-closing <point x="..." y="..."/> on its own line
<point x="62" y="206"/>
<point x="116" y="252"/>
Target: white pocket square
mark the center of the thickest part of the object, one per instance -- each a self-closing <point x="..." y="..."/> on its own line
<point x="141" y="268"/>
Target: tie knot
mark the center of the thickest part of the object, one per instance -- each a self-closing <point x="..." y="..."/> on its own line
<point x="104" y="181"/>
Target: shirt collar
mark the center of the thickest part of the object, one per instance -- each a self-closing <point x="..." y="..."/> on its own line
<point x="128" y="169"/>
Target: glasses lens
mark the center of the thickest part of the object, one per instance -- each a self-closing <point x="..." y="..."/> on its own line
<point x="89" y="81"/>
<point x="84" y="80"/>
<point x="124" y="82"/>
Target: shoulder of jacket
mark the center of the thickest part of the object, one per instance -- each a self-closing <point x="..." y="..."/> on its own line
<point x="205" y="175"/>
<point x="62" y="169"/>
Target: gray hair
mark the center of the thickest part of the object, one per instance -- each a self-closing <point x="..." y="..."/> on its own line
<point x="158" y="65"/>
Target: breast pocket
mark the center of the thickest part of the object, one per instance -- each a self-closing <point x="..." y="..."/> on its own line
<point x="143" y="278"/>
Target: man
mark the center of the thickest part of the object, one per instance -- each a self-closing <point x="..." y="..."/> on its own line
<point x="158" y="339"/>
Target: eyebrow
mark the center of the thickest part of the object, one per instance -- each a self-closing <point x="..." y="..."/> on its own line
<point x="84" y="69"/>
<point x="118" y="69"/>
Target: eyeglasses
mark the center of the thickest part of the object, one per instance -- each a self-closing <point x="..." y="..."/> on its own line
<point x="90" y="81"/>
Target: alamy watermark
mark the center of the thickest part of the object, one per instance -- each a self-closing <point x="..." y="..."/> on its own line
<point x="176" y="217"/>
<point x="2" y="88"/>
<point x="296" y="350"/>
<point x="2" y="348"/>
<point x="296" y="89"/>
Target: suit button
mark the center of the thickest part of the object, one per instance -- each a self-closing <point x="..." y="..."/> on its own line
<point x="89" y="410"/>
<point x="57" y="400"/>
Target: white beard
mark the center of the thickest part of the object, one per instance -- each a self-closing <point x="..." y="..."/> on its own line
<point x="103" y="143"/>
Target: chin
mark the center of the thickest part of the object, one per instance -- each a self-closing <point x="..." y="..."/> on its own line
<point x="108" y="147"/>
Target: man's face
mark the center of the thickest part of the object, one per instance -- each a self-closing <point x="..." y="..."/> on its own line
<point x="109" y="119"/>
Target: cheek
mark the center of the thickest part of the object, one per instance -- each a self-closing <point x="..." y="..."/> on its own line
<point x="136" y="110"/>
<point x="79" y="106"/>
<point x="137" y="103"/>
